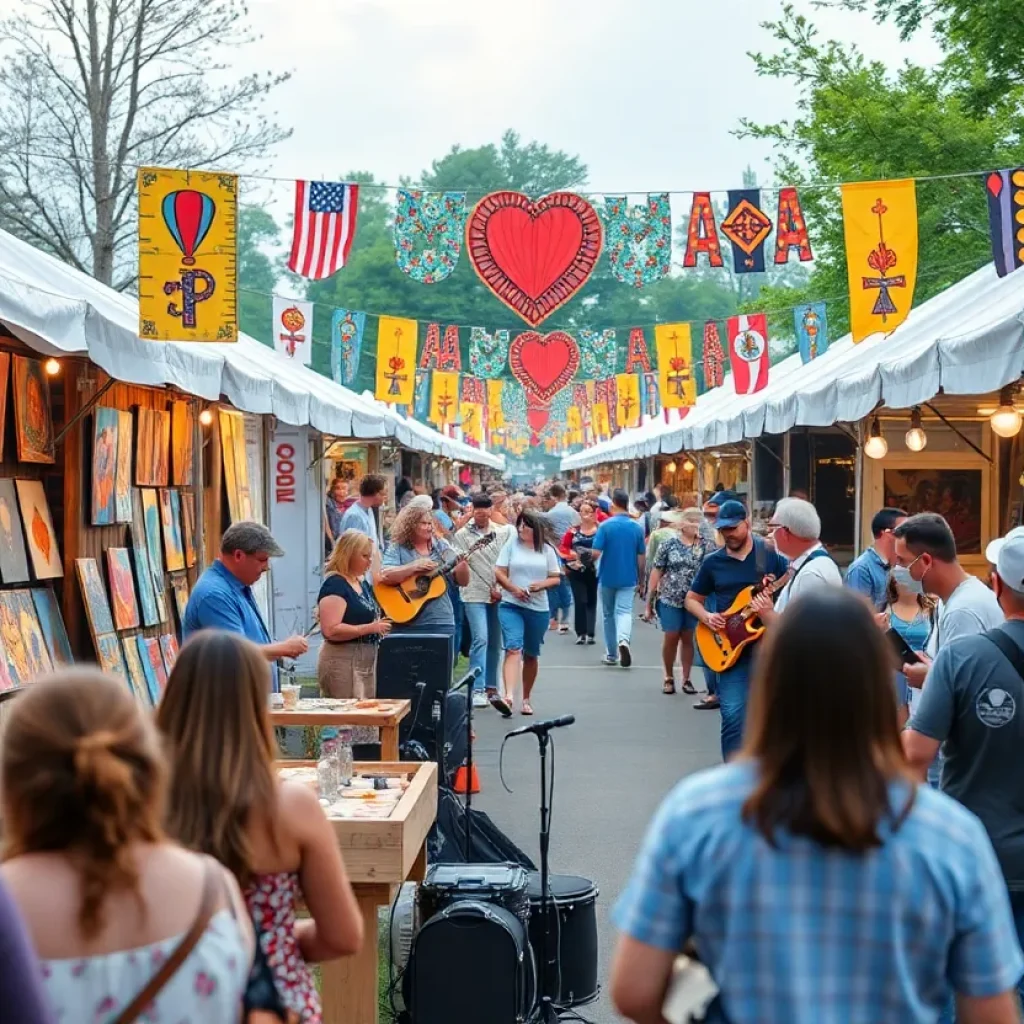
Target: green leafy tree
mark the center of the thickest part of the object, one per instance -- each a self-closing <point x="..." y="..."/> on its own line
<point x="257" y="271"/>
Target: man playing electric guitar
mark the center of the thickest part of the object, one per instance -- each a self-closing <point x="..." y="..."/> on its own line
<point x="743" y="562"/>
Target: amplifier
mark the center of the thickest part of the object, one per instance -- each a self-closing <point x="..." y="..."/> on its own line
<point x="406" y="659"/>
<point x="504" y="885"/>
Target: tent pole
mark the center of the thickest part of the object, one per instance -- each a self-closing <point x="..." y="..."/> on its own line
<point x="786" y="481"/>
<point x="858" y="487"/>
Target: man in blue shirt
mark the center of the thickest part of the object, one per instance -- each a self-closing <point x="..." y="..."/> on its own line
<point x="223" y="599"/>
<point x="743" y="562"/>
<point x="619" y="545"/>
<point x="869" y="572"/>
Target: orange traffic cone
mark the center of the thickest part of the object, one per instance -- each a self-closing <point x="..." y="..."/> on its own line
<point x="460" y="781"/>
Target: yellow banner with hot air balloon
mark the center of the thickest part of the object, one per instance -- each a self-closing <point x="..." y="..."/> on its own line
<point x="188" y="247"/>
<point x="676" y="380"/>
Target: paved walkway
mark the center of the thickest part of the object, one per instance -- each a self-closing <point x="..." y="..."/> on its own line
<point x="629" y="745"/>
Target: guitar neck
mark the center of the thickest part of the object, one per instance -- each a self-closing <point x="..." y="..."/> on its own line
<point x="772" y="587"/>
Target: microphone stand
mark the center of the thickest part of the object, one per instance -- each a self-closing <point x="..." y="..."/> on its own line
<point x="548" y="1013"/>
<point x="467" y="681"/>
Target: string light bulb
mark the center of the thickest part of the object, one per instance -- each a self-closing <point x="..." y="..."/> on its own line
<point x="52" y="366"/>
<point x="1006" y="421"/>
<point x="876" y="446"/>
<point x="671" y="467"/>
<point x="915" y="437"/>
<point x="206" y="417"/>
<point x="688" y="466"/>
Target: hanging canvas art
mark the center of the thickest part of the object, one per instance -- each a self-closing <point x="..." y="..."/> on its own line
<point x="169" y="650"/>
<point x="179" y="584"/>
<point x="42" y="541"/>
<point x="347" y="328"/>
<point x="598" y="352"/>
<point x="188" y="526"/>
<point x="33" y="425"/>
<point x="152" y="447"/>
<point x="122" y="589"/>
<point x="638" y="238"/>
<point x="5" y="371"/>
<point x="162" y="448"/>
<point x="182" y="439"/>
<point x="109" y="656"/>
<point x="52" y="625"/>
<point x="136" y="671"/>
<point x="236" y="466"/>
<point x="152" y="682"/>
<point x="39" y="660"/>
<point x="638" y="359"/>
<point x="17" y="665"/>
<point x="488" y="353"/>
<point x="148" y="589"/>
<point x="156" y="660"/>
<point x="811" y="325"/>
<point x="428" y="233"/>
<point x="94" y="597"/>
<point x="292" y="329"/>
<point x="170" y="517"/>
<point x="104" y="466"/>
<point x="123" y="473"/>
<point x="627" y="394"/>
<point x="534" y="255"/>
<point x="13" y="555"/>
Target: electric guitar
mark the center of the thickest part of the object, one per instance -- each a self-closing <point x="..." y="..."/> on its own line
<point x="402" y="602"/>
<point x="722" y="649"/>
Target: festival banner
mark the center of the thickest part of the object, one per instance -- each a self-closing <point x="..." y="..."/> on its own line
<point x="714" y="356"/>
<point x="747" y="227"/>
<point x="652" y="400"/>
<point x="495" y="413"/>
<point x="293" y="329"/>
<point x="1005" y="193"/>
<point x="188" y="246"/>
<point x="748" y="352"/>
<point x="428" y="231"/>
<point x="441" y="353"/>
<point x="471" y="415"/>
<point x="627" y="406"/>
<point x="702" y="234"/>
<point x="600" y="421"/>
<point x="598" y="353"/>
<point x="880" y="226"/>
<point x="473" y="390"/>
<point x="637" y="356"/>
<point x="605" y="391"/>
<point x="421" y="404"/>
<point x="574" y="424"/>
<point x="811" y="324"/>
<point x="347" y="328"/>
<point x="396" y="360"/>
<point x="444" y="398"/>
<point x="676" y="382"/>
<point x="488" y="353"/>
<point x="791" y="229"/>
<point x="638" y="238"/>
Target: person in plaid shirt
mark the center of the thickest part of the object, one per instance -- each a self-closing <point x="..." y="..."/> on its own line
<point x="819" y="883"/>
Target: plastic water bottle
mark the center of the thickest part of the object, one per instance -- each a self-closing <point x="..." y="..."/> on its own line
<point x="327" y="781"/>
<point x="342" y="753"/>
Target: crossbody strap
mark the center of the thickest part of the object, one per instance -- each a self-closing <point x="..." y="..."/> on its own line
<point x="1011" y="651"/>
<point x="170" y="967"/>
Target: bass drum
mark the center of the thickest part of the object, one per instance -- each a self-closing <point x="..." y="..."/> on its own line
<point x="572" y="938"/>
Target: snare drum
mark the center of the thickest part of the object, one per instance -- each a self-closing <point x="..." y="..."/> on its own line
<point x="572" y="937"/>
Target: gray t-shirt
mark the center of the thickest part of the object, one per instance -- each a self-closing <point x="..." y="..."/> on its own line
<point x="973" y="702"/>
<point x="971" y="608"/>
<point x="437" y="616"/>
<point x="562" y="517"/>
<point x="525" y="566"/>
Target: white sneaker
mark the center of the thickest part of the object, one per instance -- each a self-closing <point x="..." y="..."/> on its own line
<point x="479" y="699"/>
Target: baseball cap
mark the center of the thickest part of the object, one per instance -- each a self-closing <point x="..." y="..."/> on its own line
<point x="996" y="547"/>
<point x="730" y="513"/>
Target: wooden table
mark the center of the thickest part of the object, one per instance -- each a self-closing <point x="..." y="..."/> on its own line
<point x="322" y="712"/>
<point x="379" y="855"/>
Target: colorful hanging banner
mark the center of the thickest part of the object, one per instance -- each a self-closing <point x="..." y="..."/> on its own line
<point x="472" y="416"/>
<point x="747" y="227"/>
<point x="347" y="328"/>
<point x="811" y="324"/>
<point x="441" y="353"/>
<point x="714" y="356"/>
<point x="488" y="353"/>
<point x="791" y="229"/>
<point x="187" y="255"/>
<point x="605" y="392"/>
<point x="495" y="413"/>
<point x="428" y="232"/>
<point x="396" y="360"/>
<point x="637" y="356"/>
<point x="652" y="400"/>
<point x="421" y="404"/>
<point x="293" y="329"/>
<point x="444" y="398"/>
<point x="574" y="424"/>
<point x="323" y="227"/>
<point x="748" y="352"/>
<point x="600" y="420"/>
<point x="638" y="238"/>
<point x="1005" y="193"/>
<point x="598" y="353"/>
<point x="473" y="390"/>
<point x="880" y="227"/>
<point x="675" y="365"/>
<point x="627" y="405"/>
<point x="702" y="234"/>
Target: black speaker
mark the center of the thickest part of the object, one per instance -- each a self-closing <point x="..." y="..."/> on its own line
<point x="406" y="659"/>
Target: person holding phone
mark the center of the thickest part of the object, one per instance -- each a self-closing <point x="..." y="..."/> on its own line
<point x="912" y="616"/>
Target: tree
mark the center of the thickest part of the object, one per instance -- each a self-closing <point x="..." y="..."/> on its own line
<point x="257" y="272"/>
<point x="90" y="89"/>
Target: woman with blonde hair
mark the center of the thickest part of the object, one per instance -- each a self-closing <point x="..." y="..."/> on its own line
<point x="226" y="800"/>
<point x="107" y="898"/>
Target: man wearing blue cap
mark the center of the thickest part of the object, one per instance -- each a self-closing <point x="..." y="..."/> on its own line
<point x="743" y="562"/>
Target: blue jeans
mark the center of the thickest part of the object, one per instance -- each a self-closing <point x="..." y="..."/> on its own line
<point x="485" y="647"/>
<point x="617" y="609"/>
<point x="560" y="599"/>
<point x="522" y="629"/>
<point x="733" y="688"/>
<point x="457" y="606"/>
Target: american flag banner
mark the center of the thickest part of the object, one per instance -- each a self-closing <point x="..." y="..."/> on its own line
<point x="325" y="224"/>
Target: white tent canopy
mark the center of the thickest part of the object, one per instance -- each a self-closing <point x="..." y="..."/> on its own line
<point x="59" y="310"/>
<point x="968" y="340"/>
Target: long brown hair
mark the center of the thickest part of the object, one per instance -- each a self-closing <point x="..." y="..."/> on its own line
<point x="822" y="726"/>
<point x="220" y="744"/>
<point x="926" y="602"/>
<point x="82" y="774"/>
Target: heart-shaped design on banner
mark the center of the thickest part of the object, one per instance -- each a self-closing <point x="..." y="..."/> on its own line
<point x="534" y="256"/>
<point x="544" y="363"/>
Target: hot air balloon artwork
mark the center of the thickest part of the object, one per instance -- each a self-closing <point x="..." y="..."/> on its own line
<point x="187" y="255"/>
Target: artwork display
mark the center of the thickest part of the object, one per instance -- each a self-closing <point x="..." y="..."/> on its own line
<point x="36" y="651"/>
<point x="179" y="584"/>
<point x="148" y="588"/>
<point x="5" y="372"/>
<point x="152" y="448"/>
<point x="94" y="597"/>
<point x="188" y="526"/>
<point x="152" y="682"/>
<point x="13" y="554"/>
<point x="123" y="475"/>
<point x="170" y="517"/>
<point x="182" y="427"/>
<point x="136" y="672"/>
<point x="122" y="588"/>
<point x="156" y="661"/>
<point x="954" y="493"/>
<point x="109" y="655"/>
<point x="17" y="666"/>
<point x="236" y="465"/>
<point x="106" y="423"/>
<point x="32" y="421"/>
<point x="169" y="650"/>
<point x="52" y="624"/>
<point x="42" y="541"/>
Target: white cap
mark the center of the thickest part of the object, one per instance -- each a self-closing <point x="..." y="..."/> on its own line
<point x="995" y="546"/>
<point x="1009" y="559"/>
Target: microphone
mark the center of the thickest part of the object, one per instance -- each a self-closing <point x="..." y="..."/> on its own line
<point x="542" y="727"/>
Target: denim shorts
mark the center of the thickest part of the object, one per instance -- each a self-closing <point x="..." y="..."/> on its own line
<point x="522" y="629"/>
<point x="674" y="620"/>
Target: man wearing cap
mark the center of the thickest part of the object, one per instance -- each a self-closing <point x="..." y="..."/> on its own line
<point x="973" y="705"/>
<point x="744" y="561"/>
<point x="222" y="597"/>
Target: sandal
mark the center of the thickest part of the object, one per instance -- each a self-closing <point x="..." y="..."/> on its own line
<point x="563" y="630"/>
<point x="526" y="709"/>
<point x="669" y="687"/>
<point x="689" y="688"/>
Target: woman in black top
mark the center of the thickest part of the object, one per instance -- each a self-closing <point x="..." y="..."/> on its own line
<point x="351" y="625"/>
<point x="577" y="548"/>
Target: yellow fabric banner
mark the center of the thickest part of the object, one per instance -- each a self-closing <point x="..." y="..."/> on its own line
<point x="188" y="248"/>
<point x="574" y="425"/>
<point x="676" y="380"/>
<point x="472" y="416"/>
<point x="495" y="414"/>
<point x="599" y="421"/>
<point x="880" y="226"/>
<point x="627" y="388"/>
<point x="444" y="398"/>
<point x="396" y="360"/>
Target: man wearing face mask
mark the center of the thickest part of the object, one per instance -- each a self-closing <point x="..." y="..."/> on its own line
<point x="869" y="572"/>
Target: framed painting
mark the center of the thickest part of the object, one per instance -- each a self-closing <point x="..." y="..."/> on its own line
<point x="109" y="656"/>
<point x="52" y="625"/>
<point x="123" y="474"/>
<point x="956" y="494"/>
<point x="13" y="556"/>
<point x="179" y="584"/>
<point x="227" y="448"/>
<point x="156" y="660"/>
<point x="241" y="466"/>
<point x="104" y="466"/>
<point x="5" y="372"/>
<point x="38" y="655"/>
<point x="136" y="671"/>
<point x="143" y="571"/>
<point x="169" y="649"/>
<point x="182" y="427"/>
<point x="145" y="426"/>
<point x="170" y="517"/>
<point x="42" y="541"/>
<point x="152" y="683"/>
<point x="17" y="667"/>
<point x="94" y="597"/>
<point x="188" y="526"/>
<point x="122" y="588"/>
<point x="161" y="448"/>
<point x="32" y="421"/>
<point x="151" y="520"/>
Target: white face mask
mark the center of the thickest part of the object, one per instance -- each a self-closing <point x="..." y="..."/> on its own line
<point x="901" y="574"/>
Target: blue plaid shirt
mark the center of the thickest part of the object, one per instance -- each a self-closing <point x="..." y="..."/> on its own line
<point x="806" y="935"/>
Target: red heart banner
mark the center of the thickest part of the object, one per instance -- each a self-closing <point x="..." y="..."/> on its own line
<point x="534" y="256"/>
<point x="544" y="363"/>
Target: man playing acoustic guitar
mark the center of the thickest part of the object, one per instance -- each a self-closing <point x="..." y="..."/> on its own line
<point x="743" y="562"/>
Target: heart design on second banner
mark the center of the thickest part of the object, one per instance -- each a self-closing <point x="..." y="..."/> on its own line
<point x="544" y="363"/>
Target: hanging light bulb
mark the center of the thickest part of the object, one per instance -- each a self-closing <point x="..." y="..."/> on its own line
<point x="206" y="417"/>
<point x="52" y="366"/>
<point x="688" y="466"/>
<point x="671" y="467"/>
<point x="1006" y="421"/>
<point x="916" y="438"/>
<point x="876" y="446"/>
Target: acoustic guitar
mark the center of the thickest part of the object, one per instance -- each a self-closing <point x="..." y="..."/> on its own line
<point x="722" y="649"/>
<point x="402" y="602"/>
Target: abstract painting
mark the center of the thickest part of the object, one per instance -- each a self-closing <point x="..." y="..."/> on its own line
<point x="38" y="656"/>
<point x="236" y="465"/>
<point x="152" y="683"/>
<point x="169" y="649"/>
<point x="123" y="476"/>
<point x="42" y="541"/>
<point x="162" y="448"/>
<point x="143" y="571"/>
<point x="136" y="671"/>
<point x="151" y="516"/>
<point x="188" y="526"/>
<point x="104" y="466"/>
<point x="145" y="426"/>
<point x="17" y="667"/>
<point x="170" y="517"/>
<point x="32" y="421"/>
<point x="954" y="493"/>
<point x="5" y="372"/>
<point x="179" y="584"/>
<point x="122" y="589"/>
<point x="94" y="597"/>
<point x="182" y="425"/>
<point x="13" y="557"/>
<point x="52" y="625"/>
<point x="156" y="659"/>
<point x="109" y="656"/>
